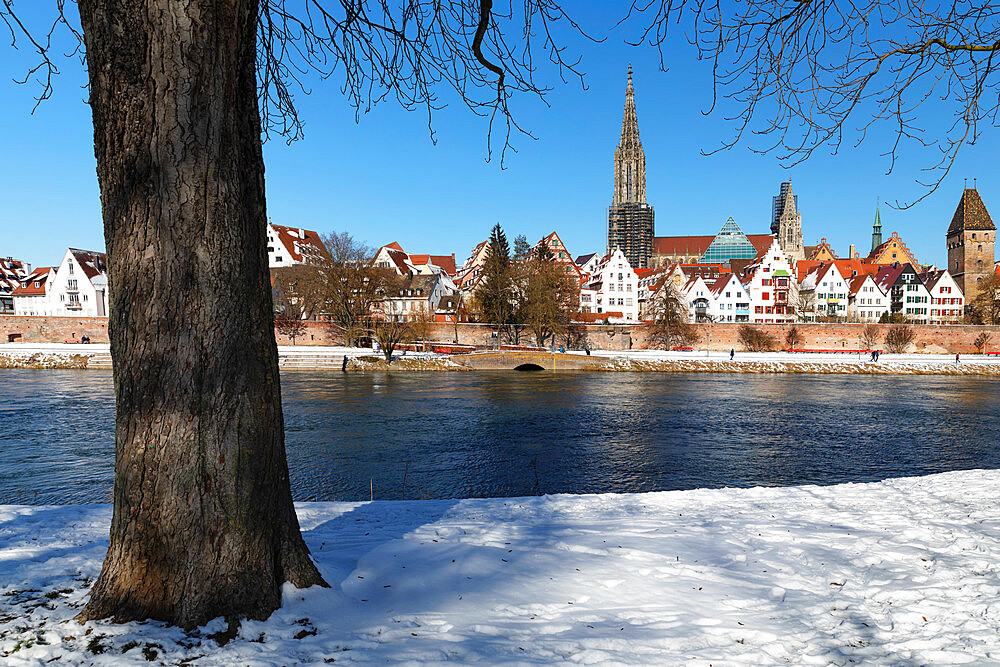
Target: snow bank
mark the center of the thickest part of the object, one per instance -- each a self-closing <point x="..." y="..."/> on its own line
<point x="903" y="571"/>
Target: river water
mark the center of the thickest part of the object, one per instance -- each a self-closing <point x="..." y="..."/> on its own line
<point x="457" y="435"/>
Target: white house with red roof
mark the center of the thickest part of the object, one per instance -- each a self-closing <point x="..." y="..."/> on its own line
<point x="287" y="246"/>
<point x="825" y="292"/>
<point x="770" y="281"/>
<point x="392" y="256"/>
<point x="730" y="300"/>
<point x="31" y="297"/>
<point x="947" y="301"/>
<point x="78" y="287"/>
<point x="866" y="302"/>
<point x="614" y="287"/>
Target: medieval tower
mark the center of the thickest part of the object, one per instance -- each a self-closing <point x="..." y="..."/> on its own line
<point x="786" y="223"/>
<point x="971" y="238"/>
<point x="630" y="218"/>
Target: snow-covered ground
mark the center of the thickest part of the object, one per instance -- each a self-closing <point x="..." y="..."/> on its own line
<point x="905" y="571"/>
<point x="797" y="357"/>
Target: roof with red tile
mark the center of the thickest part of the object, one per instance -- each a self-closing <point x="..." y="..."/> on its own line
<point x="971" y="214"/>
<point x="301" y="244"/>
<point x="92" y="263"/>
<point x="697" y="245"/>
<point x="28" y="288"/>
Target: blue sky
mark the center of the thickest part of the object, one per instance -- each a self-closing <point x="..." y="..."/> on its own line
<point x="383" y="180"/>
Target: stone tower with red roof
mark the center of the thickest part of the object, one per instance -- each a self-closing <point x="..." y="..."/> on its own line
<point x="971" y="238"/>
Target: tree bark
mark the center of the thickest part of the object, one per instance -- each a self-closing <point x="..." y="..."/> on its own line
<point x="203" y="521"/>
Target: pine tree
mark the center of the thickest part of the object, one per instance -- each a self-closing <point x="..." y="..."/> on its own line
<point x="494" y="292"/>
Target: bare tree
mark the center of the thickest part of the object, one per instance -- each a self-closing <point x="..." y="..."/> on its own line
<point x="181" y="94"/>
<point x="803" y="76"/>
<point x="547" y="296"/>
<point x="667" y="313"/>
<point x="986" y="306"/>
<point x="390" y="332"/>
<point x="898" y="338"/>
<point x="871" y="336"/>
<point x="982" y="340"/>
<point x="755" y="340"/>
<point x="793" y="338"/>
<point x="289" y="325"/>
<point x="352" y="285"/>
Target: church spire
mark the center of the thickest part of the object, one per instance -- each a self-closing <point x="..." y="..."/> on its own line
<point x="877" y="229"/>
<point x="630" y="160"/>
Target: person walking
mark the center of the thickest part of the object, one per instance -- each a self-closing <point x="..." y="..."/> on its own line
<point x="957" y="360"/>
<point x="732" y="353"/>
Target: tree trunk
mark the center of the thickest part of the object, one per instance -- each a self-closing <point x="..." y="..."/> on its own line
<point x="203" y="521"/>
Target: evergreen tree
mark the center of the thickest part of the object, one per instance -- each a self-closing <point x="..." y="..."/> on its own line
<point x="494" y="291"/>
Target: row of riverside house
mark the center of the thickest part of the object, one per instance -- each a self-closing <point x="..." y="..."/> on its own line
<point x="78" y="285"/>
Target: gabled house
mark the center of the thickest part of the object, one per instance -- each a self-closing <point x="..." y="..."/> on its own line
<point x="418" y="297"/>
<point x="772" y="286"/>
<point x="651" y="281"/>
<point x="866" y="302"/>
<point x="560" y="255"/>
<point x="947" y="300"/>
<point x="700" y="299"/>
<point x="77" y="287"/>
<point x="287" y="246"/>
<point x="587" y="263"/>
<point x="731" y="300"/>
<point x="613" y="286"/>
<point x="467" y="278"/>
<point x="907" y="295"/>
<point x="892" y="251"/>
<point x="825" y="292"/>
<point x="31" y="297"/>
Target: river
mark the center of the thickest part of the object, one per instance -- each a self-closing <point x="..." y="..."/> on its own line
<point x="458" y="435"/>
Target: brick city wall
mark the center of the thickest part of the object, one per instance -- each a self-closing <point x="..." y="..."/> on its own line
<point x="941" y="339"/>
<point x="53" y="329"/>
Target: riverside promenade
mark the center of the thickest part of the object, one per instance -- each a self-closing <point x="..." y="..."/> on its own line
<point x="96" y="356"/>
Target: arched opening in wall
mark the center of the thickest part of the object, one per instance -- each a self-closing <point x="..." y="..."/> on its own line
<point x="529" y="367"/>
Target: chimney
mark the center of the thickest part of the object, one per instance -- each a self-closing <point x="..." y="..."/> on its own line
<point x="302" y="233"/>
<point x="852" y="253"/>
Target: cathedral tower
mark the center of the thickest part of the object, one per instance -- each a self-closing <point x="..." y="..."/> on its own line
<point x="630" y="218"/>
<point x="877" y="230"/>
<point x="786" y="223"/>
<point x="971" y="238"/>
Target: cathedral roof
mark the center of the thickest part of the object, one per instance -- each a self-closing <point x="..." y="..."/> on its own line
<point x="971" y="214"/>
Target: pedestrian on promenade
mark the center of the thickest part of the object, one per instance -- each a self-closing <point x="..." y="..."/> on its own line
<point x="732" y="353"/>
<point x="957" y="361"/>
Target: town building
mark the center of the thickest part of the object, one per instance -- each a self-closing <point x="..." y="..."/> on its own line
<point x="821" y="253"/>
<point x="688" y="250"/>
<point x="907" y="296"/>
<point x="866" y="302"/>
<point x="700" y="299"/>
<point x="287" y="246"/>
<point x="786" y="222"/>
<point x="418" y="297"/>
<point x="78" y="287"/>
<point x="770" y="280"/>
<point x="560" y="255"/>
<point x="971" y="241"/>
<point x="469" y="275"/>
<point x="31" y="297"/>
<point x="630" y="217"/>
<point x="587" y="263"/>
<point x="893" y="250"/>
<point x="613" y="287"/>
<point x="392" y="256"/>
<point x="12" y="272"/>
<point x="947" y="300"/>
<point x="731" y="300"/>
<point x="824" y="293"/>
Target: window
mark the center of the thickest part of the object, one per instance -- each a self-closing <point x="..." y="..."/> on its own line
<point x="69" y="265"/>
<point x="766" y="296"/>
<point x="628" y="302"/>
<point x="71" y="284"/>
<point x="767" y="282"/>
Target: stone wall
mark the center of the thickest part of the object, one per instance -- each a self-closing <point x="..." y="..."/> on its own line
<point x="940" y="339"/>
<point x="53" y="329"/>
